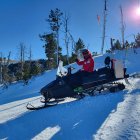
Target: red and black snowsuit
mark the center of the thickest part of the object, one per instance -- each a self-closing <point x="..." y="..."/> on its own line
<point x="88" y="63"/>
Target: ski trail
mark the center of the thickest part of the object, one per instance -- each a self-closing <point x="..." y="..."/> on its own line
<point x="14" y="109"/>
<point x="124" y="123"/>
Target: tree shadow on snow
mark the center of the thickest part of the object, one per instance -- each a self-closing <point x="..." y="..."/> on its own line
<point x="77" y="120"/>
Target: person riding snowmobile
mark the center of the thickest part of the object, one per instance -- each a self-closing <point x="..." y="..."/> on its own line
<point x="88" y="62"/>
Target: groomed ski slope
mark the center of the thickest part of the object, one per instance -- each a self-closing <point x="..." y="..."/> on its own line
<point x="114" y="116"/>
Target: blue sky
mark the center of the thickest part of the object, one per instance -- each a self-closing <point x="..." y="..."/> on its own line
<point x="24" y="20"/>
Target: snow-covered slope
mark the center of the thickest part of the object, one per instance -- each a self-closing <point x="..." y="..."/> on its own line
<point x="107" y="117"/>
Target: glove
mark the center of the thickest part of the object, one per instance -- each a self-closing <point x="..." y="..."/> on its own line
<point x="76" y="60"/>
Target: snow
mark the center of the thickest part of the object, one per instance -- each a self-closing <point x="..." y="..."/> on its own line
<point x="114" y="116"/>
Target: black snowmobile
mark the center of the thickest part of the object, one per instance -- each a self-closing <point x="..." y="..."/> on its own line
<point x="78" y="84"/>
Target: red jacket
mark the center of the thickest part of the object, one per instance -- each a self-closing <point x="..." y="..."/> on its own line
<point x="88" y="64"/>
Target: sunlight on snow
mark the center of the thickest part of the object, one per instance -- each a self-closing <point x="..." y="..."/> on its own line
<point x="47" y="133"/>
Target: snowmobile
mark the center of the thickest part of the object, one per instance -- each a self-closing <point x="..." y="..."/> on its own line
<point x="81" y="83"/>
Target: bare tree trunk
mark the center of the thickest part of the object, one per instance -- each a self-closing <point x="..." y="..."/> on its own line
<point x="8" y="60"/>
<point x="66" y="19"/>
<point x="5" y="74"/>
<point x="104" y="28"/>
<point x="73" y="41"/>
<point x="22" y="57"/>
<point x="30" y="59"/>
<point x="30" y="55"/>
<point x="122" y="27"/>
<point x="57" y="47"/>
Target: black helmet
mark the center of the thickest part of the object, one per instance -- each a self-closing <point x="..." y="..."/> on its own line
<point x="85" y="51"/>
<point x="107" y="61"/>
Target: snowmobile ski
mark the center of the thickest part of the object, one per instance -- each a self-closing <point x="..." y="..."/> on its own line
<point x="31" y="107"/>
<point x="53" y="101"/>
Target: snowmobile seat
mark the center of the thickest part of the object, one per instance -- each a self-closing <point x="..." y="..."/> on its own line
<point x="104" y="73"/>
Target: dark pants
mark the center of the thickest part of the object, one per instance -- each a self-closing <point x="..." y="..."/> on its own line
<point x="76" y="79"/>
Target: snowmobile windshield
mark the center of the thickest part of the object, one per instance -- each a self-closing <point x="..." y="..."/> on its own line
<point x="61" y="71"/>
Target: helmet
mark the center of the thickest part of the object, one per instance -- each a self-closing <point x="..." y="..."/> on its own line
<point x="86" y="53"/>
<point x="107" y="61"/>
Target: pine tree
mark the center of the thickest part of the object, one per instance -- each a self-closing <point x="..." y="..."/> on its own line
<point x="5" y="70"/>
<point x="79" y="45"/>
<point x="117" y="45"/>
<point x="26" y="72"/>
<point x="126" y="44"/>
<point x="35" y="69"/>
<point x="50" y="49"/>
<point x="55" y="23"/>
<point x="137" y="40"/>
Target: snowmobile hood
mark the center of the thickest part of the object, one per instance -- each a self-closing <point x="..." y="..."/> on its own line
<point x="48" y="86"/>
